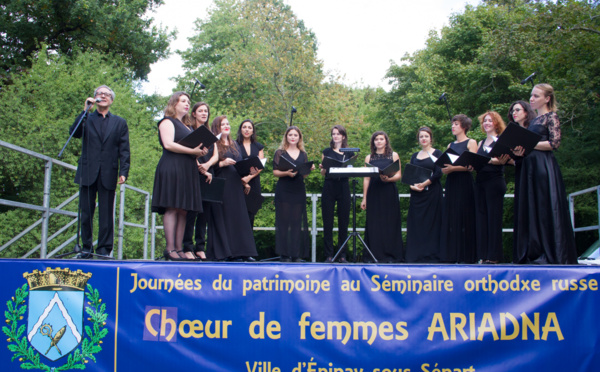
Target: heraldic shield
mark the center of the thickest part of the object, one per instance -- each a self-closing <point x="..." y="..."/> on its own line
<point x="56" y="304"/>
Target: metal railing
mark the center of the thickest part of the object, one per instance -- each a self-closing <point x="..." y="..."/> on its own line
<point x="572" y="209"/>
<point x="150" y="227"/>
<point x="48" y="211"/>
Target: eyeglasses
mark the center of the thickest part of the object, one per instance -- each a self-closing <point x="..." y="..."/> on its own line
<point x="106" y="94"/>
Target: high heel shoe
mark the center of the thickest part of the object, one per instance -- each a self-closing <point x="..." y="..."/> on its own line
<point x="189" y="256"/>
<point x="169" y="257"/>
<point x="200" y="255"/>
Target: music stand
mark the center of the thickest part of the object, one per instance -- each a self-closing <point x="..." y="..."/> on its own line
<point x="354" y="173"/>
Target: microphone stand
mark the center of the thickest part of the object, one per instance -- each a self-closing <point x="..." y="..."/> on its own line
<point x="354" y="234"/>
<point x="194" y="88"/>
<point x="445" y="99"/>
<point x="292" y="115"/>
<point x="84" y="116"/>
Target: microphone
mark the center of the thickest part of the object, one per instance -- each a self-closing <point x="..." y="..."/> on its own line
<point x="528" y="78"/>
<point x="202" y="86"/>
<point x="90" y="103"/>
<point x="443" y="96"/>
<point x="294" y="110"/>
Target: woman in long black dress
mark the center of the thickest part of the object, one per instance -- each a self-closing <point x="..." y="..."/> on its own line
<point x="544" y="232"/>
<point x="292" y="240"/>
<point x="229" y="231"/>
<point x="176" y="184"/>
<point x="335" y="190"/>
<point x="197" y="221"/>
<point x="520" y="113"/>
<point x="383" y="229"/>
<point x="490" y="188"/>
<point x="425" y="210"/>
<point x="246" y="139"/>
<point x="457" y="238"/>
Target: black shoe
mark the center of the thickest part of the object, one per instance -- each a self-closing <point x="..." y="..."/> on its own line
<point x="84" y="256"/>
<point x="297" y="259"/>
<point x="170" y="257"/>
<point x="103" y="251"/>
<point x="250" y="259"/>
<point x="343" y="260"/>
<point x="285" y="259"/>
<point x="328" y="260"/>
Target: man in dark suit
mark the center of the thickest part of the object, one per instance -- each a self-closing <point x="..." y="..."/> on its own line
<point x="104" y="162"/>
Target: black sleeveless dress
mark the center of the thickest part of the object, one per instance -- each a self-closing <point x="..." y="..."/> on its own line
<point x="490" y="188"/>
<point x="292" y="238"/>
<point x="457" y="238"/>
<point x="425" y="216"/>
<point x="383" y="228"/>
<point x="176" y="182"/>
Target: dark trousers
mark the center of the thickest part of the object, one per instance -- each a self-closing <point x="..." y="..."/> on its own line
<point x="335" y="191"/>
<point x="195" y="222"/>
<point x="87" y="200"/>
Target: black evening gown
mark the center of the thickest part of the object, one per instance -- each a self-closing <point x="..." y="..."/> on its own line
<point x="544" y="232"/>
<point x="335" y="190"/>
<point x="458" y="240"/>
<point x="490" y="188"/>
<point x="292" y="238"/>
<point x="195" y="227"/>
<point x="254" y="199"/>
<point x="424" y="219"/>
<point x="229" y="230"/>
<point x="176" y="182"/>
<point x="383" y="229"/>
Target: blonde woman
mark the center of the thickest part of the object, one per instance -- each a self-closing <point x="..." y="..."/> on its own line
<point x="544" y="232"/>
<point x="292" y="241"/>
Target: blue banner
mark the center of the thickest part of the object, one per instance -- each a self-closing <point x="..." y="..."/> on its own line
<point x="263" y="317"/>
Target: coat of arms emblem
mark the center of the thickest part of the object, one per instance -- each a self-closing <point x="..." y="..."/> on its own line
<point x="55" y="320"/>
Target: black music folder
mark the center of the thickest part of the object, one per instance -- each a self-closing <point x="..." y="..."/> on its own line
<point x="334" y="163"/>
<point x="390" y="170"/>
<point x="286" y="164"/>
<point x="414" y="174"/>
<point x="465" y="159"/>
<point x="202" y="135"/>
<point x="212" y="192"/>
<point x="243" y="166"/>
<point x="514" y="135"/>
<point x="448" y="157"/>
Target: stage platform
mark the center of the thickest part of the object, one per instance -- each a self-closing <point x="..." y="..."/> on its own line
<point x="297" y="317"/>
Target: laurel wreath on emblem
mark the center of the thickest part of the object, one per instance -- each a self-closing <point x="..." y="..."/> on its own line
<point x="29" y="358"/>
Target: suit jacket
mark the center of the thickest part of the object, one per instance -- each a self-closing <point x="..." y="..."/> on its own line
<point x="102" y="155"/>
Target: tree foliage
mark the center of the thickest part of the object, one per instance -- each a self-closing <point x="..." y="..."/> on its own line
<point x="256" y="58"/>
<point x="113" y="27"/>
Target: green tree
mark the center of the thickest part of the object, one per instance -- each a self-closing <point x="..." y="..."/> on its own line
<point x="256" y="58"/>
<point x="114" y="27"/>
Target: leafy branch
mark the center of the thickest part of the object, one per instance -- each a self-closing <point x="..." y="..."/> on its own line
<point x="16" y="309"/>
